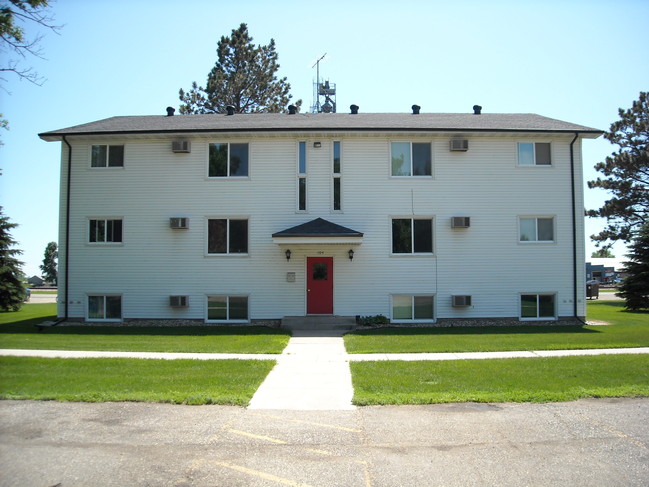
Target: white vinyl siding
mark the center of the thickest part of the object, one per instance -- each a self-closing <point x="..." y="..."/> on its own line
<point x="156" y="261"/>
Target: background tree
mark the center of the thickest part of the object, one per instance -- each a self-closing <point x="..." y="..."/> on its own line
<point x="244" y="77"/>
<point x="15" y="15"/>
<point x="626" y="175"/>
<point x="12" y="292"/>
<point x="602" y="254"/>
<point x="48" y="267"/>
<point x="635" y="287"/>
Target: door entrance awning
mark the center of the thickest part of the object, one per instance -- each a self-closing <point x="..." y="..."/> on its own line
<point x="318" y="231"/>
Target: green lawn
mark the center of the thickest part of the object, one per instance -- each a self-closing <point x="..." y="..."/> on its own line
<point x="626" y="329"/>
<point x="104" y="380"/>
<point x="17" y="331"/>
<point x="501" y="380"/>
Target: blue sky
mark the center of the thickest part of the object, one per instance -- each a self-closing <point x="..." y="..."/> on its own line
<point x="577" y="61"/>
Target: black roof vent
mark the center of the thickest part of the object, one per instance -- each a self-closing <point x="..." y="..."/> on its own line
<point x="415" y="109"/>
<point x="477" y="109"/>
<point x="292" y="109"/>
<point x="170" y="111"/>
<point x="354" y="109"/>
<point x="230" y="109"/>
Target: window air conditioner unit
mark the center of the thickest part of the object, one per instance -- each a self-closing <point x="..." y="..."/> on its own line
<point x="459" y="145"/>
<point x="179" y="301"/>
<point x="461" y="222"/>
<point x="179" y="223"/>
<point x="461" y="301"/>
<point x="181" y="146"/>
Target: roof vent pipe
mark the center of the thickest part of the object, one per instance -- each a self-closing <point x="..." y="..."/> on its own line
<point x="170" y="111"/>
<point x="292" y="109"/>
<point x="354" y="109"/>
<point x="230" y="109"/>
<point x="477" y="109"/>
<point x="415" y="109"/>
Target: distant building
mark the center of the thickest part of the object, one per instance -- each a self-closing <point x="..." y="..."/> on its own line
<point x="35" y="281"/>
<point x="603" y="270"/>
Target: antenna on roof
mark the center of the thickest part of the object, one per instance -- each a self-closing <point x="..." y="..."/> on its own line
<point x="324" y="94"/>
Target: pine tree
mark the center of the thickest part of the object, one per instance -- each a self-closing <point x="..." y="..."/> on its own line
<point x="48" y="267"/>
<point x="635" y="287"/>
<point x="626" y="175"/>
<point x="243" y="77"/>
<point x="12" y="292"/>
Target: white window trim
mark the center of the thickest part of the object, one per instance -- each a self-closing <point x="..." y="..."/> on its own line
<point x="338" y="176"/>
<point x="106" y="167"/>
<point x="104" y="320"/>
<point x="228" y="296"/>
<point x="537" y="242"/>
<point x="534" y="142"/>
<point x="302" y="175"/>
<point x="226" y="254"/>
<point x="537" y="318"/>
<point x="413" y="253"/>
<point x="412" y="296"/>
<point x="104" y="244"/>
<point x="228" y="177"/>
<point x="432" y="161"/>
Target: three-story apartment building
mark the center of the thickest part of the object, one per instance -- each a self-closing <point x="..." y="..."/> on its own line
<point x="242" y="217"/>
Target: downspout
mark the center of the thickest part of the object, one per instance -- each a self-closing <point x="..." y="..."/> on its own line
<point x="67" y="230"/>
<point x="575" y="266"/>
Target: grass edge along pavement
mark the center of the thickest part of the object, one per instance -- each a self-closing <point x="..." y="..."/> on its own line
<point x="195" y="382"/>
<point x="500" y="380"/>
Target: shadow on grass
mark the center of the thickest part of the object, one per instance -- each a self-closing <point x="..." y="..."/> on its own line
<point x="477" y="330"/>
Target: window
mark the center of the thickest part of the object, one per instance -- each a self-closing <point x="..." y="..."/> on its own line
<point x="538" y="306"/>
<point x="301" y="177"/>
<point x="413" y="308"/>
<point x="228" y="160"/>
<point x="227" y="236"/>
<point x="337" y="177"/>
<point x="535" y="229"/>
<point x="105" y="231"/>
<point x="104" y="308"/>
<point x="534" y="154"/>
<point x="411" y="159"/>
<point x="107" y="156"/>
<point x="227" y="308"/>
<point x="412" y="236"/>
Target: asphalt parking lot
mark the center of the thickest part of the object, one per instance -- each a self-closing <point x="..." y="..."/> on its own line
<point x="588" y="442"/>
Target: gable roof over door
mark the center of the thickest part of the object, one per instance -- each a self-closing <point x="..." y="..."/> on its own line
<point x="318" y="231"/>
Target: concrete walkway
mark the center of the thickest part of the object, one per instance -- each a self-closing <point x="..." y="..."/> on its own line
<point x="312" y="374"/>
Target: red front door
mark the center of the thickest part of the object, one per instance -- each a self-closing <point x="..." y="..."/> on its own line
<point x="320" y="286"/>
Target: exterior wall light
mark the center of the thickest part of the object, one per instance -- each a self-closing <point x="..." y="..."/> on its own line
<point x="288" y="254"/>
<point x="351" y="254"/>
<point x="317" y="145"/>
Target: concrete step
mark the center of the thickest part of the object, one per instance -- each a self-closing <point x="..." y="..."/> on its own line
<point x="320" y="322"/>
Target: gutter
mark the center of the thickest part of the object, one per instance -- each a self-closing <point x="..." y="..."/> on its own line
<point x="67" y="230"/>
<point x="575" y="267"/>
<point x="53" y="136"/>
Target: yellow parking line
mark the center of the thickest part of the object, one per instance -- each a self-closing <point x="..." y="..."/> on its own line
<point x="332" y="426"/>
<point x="257" y="437"/>
<point x="263" y="475"/>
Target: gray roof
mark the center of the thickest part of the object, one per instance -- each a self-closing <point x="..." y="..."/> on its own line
<point x="322" y="122"/>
